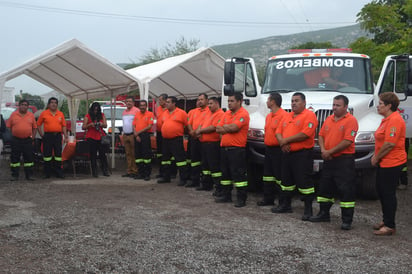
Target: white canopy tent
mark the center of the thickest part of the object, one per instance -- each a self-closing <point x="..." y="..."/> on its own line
<point x="77" y="72"/>
<point x="183" y="76"/>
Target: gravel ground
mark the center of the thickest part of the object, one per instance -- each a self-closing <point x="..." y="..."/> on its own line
<point x="121" y="225"/>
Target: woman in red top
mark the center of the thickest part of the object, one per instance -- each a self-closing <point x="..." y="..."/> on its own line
<point x="94" y="122"/>
<point x="389" y="158"/>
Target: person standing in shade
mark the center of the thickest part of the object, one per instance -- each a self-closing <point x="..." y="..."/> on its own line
<point x="273" y="154"/>
<point x="159" y="122"/>
<point x="210" y="147"/>
<point x="54" y="125"/>
<point x="142" y="127"/>
<point x="93" y="123"/>
<point x="174" y="123"/>
<point x="337" y="146"/>
<point x="128" y="138"/>
<point x="296" y="137"/>
<point x="389" y="157"/>
<point x="198" y="116"/>
<point x="233" y="127"/>
<point x="23" y="129"/>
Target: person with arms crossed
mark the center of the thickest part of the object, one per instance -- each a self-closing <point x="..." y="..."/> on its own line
<point x="23" y="129"/>
<point x="296" y="137"/>
<point x="389" y="157"/>
<point x="233" y="127"/>
<point x="337" y="145"/>
<point x="54" y="125"/>
<point x="128" y="138"/>
<point x="142" y="127"/>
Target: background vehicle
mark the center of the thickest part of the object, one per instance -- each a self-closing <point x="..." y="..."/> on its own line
<point x="286" y="74"/>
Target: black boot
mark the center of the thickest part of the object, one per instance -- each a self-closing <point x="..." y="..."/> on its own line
<point x="268" y="194"/>
<point x="284" y="205"/>
<point x="47" y="169"/>
<point x="15" y="173"/>
<point x="94" y="168"/>
<point x="308" y="212"/>
<point x="226" y="195"/>
<point x="241" y="194"/>
<point x="105" y="168"/>
<point x="347" y="217"/>
<point x="323" y="215"/>
<point x="29" y="174"/>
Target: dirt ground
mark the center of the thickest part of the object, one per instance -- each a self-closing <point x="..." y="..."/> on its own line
<point x="121" y="225"/>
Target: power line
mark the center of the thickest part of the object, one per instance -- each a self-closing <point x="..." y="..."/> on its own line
<point x="161" y="19"/>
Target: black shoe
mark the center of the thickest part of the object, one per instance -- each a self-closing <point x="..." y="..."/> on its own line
<point x="146" y="178"/>
<point x="60" y="176"/>
<point x="106" y="173"/>
<point x="223" y="199"/>
<point x="306" y="217"/>
<point x="240" y="203"/>
<point x="158" y="176"/>
<point x="346" y="226"/>
<point x="163" y="180"/>
<point x="265" y="203"/>
<point x="321" y="217"/>
<point x="46" y="176"/>
<point x="30" y="179"/>
<point x="192" y="184"/>
<point x="127" y="175"/>
<point x="203" y="188"/>
<point x="182" y="183"/>
<point x="281" y="209"/>
<point x="138" y="177"/>
<point x="95" y="175"/>
<point x="14" y="178"/>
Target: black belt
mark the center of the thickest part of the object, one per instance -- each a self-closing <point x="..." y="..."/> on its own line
<point x="22" y="139"/>
<point x="128" y="134"/>
<point x="231" y="148"/>
<point x="53" y="133"/>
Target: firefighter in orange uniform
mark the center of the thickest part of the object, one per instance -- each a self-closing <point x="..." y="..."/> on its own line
<point x="142" y="127"/>
<point x="159" y="122"/>
<point x="174" y="123"/>
<point x="233" y="127"/>
<point x="296" y="137"/>
<point x="54" y="124"/>
<point x="198" y="115"/>
<point x="23" y="129"/>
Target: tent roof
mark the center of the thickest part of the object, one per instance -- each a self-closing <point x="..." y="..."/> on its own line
<point x="184" y="76"/>
<point x="76" y="71"/>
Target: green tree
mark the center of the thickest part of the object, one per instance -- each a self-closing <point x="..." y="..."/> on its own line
<point x="390" y="24"/>
<point x="34" y="100"/>
<point x="315" y="45"/>
<point x="181" y="46"/>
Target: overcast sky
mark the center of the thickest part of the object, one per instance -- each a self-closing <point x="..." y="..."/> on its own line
<point x="124" y="30"/>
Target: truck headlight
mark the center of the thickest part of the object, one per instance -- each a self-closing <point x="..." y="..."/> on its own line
<point x="367" y="137"/>
<point x="256" y="134"/>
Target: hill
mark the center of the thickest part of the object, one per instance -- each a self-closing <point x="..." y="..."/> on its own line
<point x="261" y="49"/>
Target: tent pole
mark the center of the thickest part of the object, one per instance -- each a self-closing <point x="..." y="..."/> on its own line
<point x="113" y="111"/>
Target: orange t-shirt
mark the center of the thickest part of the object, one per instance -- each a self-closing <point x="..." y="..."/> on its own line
<point x="273" y="120"/>
<point x="241" y="119"/>
<point x="335" y="132"/>
<point x="197" y="116"/>
<point x="316" y="76"/>
<point x="52" y="123"/>
<point x="392" y="130"/>
<point x="159" y="112"/>
<point x="304" y="122"/>
<point x="212" y="120"/>
<point x="174" y="123"/>
<point x="21" y="125"/>
<point x="141" y="120"/>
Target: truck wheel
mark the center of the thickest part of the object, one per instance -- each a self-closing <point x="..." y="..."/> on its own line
<point x="367" y="184"/>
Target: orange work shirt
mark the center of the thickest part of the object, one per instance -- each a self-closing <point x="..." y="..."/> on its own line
<point x="304" y="122"/>
<point x="197" y="117"/>
<point x="239" y="118"/>
<point x="143" y="120"/>
<point x="392" y="130"/>
<point x="21" y="125"/>
<point x="159" y="112"/>
<point x="213" y="119"/>
<point x="334" y="132"/>
<point x="316" y="76"/>
<point x="273" y="121"/>
<point x="52" y="123"/>
<point x="174" y="123"/>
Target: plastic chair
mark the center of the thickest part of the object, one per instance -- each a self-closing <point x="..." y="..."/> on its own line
<point x="82" y="156"/>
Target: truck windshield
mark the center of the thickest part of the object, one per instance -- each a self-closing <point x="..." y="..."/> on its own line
<point x="331" y="73"/>
<point x="118" y="116"/>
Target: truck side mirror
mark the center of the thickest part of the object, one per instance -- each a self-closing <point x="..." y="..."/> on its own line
<point x="229" y="73"/>
<point x="228" y="90"/>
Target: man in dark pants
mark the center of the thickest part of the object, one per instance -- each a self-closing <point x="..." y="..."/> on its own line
<point x="174" y="122"/>
<point x="337" y="145"/>
<point x="210" y="145"/>
<point x="23" y="129"/>
<point x="296" y="137"/>
<point x="233" y="127"/>
<point x="159" y="122"/>
<point x="142" y="127"/>
<point x="198" y="116"/>
<point x="54" y="124"/>
<point x="273" y="154"/>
